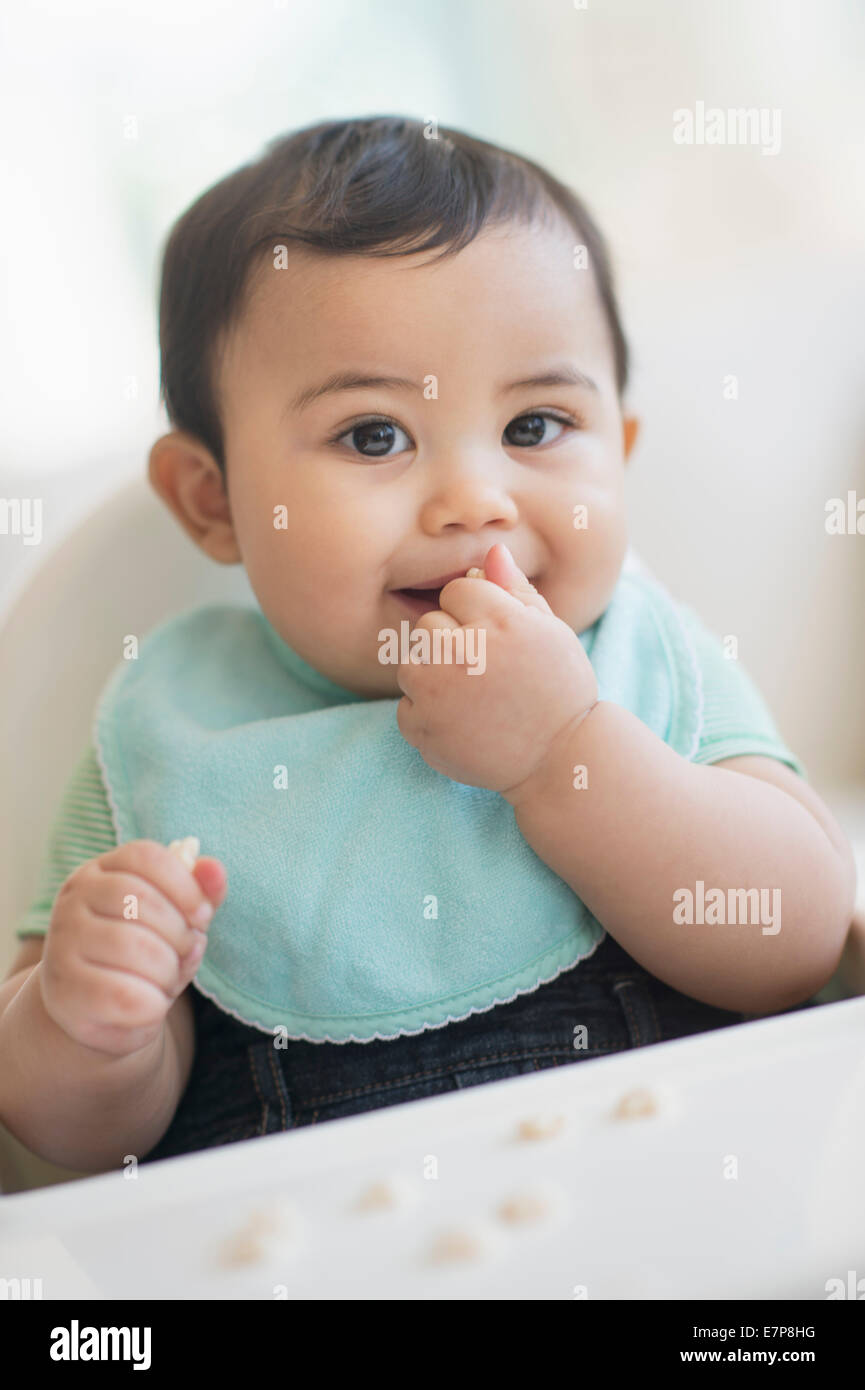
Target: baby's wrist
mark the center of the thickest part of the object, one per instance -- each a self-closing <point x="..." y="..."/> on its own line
<point x="560" y="750"/>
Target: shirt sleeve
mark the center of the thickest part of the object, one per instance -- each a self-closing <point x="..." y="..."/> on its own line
<point x="736" y="719"/>
<point x="82" y="829"/>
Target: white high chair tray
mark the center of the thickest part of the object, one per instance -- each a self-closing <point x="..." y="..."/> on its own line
<point x="644" y="1207"/>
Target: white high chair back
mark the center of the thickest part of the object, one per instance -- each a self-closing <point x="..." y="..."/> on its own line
<point x="122" y="571"/>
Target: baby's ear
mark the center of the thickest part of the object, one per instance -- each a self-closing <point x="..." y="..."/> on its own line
<point x="630" y="430"/>
<point x="185" y="475"/>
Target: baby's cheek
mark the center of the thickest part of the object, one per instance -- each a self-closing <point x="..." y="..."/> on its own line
<point x="599" y="548"/>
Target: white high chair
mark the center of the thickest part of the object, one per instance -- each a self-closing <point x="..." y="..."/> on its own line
<point x="123" y="570"/>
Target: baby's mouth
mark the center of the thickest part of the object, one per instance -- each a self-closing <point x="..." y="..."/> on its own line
<point x="425" y="598"/>
<point x="419" y="600"/>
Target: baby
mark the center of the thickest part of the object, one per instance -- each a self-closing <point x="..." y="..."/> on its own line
<point x="395" y="371"/>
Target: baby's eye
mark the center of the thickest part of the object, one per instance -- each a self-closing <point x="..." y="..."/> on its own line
<point x="374" y="438"/>
<point x="530" y="429"/>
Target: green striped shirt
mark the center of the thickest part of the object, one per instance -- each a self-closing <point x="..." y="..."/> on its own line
<point x="82" y="829"/>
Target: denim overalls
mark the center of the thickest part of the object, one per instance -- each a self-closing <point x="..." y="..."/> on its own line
<point x="242" y="1086"/>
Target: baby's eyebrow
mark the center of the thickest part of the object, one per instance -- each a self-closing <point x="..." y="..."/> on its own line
<point x="560" y="375"/>
<point x="349" y="381"/>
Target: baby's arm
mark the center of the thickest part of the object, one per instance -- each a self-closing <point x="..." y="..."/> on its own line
<point x="76" y="1107"/>
<point x="96" y="1033"/>
<point x="649" y="823"/>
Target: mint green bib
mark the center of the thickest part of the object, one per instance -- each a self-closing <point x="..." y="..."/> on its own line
<point x="368" y="895"/>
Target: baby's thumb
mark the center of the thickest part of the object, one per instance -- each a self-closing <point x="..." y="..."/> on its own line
<point x="501" y="568"/>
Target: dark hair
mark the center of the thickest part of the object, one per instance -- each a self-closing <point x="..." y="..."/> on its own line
<point x="377" y="185"/>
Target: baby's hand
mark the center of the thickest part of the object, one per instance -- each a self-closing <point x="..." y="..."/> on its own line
<point x="124" y="941"/>
<point x="496" y="728"/>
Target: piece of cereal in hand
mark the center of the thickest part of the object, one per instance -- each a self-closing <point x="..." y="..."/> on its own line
<point x="475" y="573"/>
<point x="186" y="850"/>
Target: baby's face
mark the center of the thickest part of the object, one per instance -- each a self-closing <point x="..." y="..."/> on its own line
<point x="466" y="455"/>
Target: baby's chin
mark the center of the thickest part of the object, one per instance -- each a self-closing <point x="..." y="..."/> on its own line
<point x="377" y="683"/>
<point x="361" y="673"/>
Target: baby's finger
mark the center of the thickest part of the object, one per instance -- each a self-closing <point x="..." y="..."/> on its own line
<point x="212" y="878"/>
<point x="189" y="964"/>
<point x="116" y="998"/>
<point x="408" y="674"/>
<point x="437" y="618"/>
<point x="160" y="866"/>
<point x="409" y="722"/>
<point x="209" y="872"/>
<point x="426" y="647"/>
<point x="136" y="948"/>
<point x="125" y="897"/>
<point x="474" y="600"/>
<point x="501" y="568"/>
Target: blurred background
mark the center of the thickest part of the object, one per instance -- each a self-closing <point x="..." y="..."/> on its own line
<point x="731" y="262"/>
